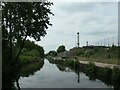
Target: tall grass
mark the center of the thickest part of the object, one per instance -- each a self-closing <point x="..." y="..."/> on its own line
<point x="29" y="55"/>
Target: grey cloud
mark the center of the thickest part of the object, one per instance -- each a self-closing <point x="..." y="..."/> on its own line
<point x="77" y="7"/>
<point x="73" y="7"/>
<point x="99" y="33"/>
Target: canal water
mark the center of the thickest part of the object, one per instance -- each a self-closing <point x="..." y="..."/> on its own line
<point x="55" y="76"/>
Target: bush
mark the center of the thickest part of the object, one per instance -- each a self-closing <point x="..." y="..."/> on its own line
<point x="88" y="53"/>
<point x="91" y="70"/>
<point x="116" y="74"/>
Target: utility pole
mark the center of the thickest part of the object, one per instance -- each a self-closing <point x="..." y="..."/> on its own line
<point x="87" y="43"/>
<point x="104" y="42"/>
<point x="78" y="39"/>
<point x="95" y="43"/>
<point x="98" y="43"/>
<point x="113" y="40"/>
<point x="101" y="42"/>
<point x="108" y="42"/>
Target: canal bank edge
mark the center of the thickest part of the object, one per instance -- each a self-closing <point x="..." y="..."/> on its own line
<point x="98" y="64"/>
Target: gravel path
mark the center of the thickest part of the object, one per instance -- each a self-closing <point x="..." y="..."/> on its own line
<point x="101" y="64"/>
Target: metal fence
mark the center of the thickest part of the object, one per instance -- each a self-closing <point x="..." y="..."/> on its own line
<point x="109" y="41"/>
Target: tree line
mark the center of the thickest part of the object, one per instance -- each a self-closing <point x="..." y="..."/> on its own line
<point x="53" y="53"/>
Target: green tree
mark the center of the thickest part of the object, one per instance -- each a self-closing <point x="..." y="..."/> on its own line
<point x="40" y="50"/>
<point x="61" y="49"/>
<point x="52" y="53"/>
<point x="21" y="20"/>
<point x="29" y="45"/>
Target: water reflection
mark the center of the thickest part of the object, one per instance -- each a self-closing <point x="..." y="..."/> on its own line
<point x="57" y="75"/>
<point x="11" y="77"/>
<point x="52" y="74"/>
<point x="67" y="69"/>
<point x="29" y="70"/>
<point x="93" y="77"/>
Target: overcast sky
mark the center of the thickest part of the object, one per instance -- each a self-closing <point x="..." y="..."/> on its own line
<point x="93" y="20"/>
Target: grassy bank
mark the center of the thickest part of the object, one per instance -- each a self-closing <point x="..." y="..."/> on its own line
<point x="31" y="52"/>
<point x="110" y="55"/>
<point x="28" y="56"/>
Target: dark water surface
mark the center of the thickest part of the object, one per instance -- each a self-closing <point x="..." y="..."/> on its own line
<point x="55" y="76"/>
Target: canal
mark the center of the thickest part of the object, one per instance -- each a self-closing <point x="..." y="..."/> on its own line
<point x="57" y="76"/>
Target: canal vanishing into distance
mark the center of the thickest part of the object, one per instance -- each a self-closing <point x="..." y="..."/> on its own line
<point x="56" y="76"/>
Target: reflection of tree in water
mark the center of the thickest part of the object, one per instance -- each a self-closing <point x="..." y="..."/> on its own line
<point x="11" y="76"/>
<point x="60" y="67"/>
<point x="77" y="71"/>
<point x="63" y="68"/>
<point x="30" y="69"/>
<point x="77" y="68"/>
<point x="68" y="69"/>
